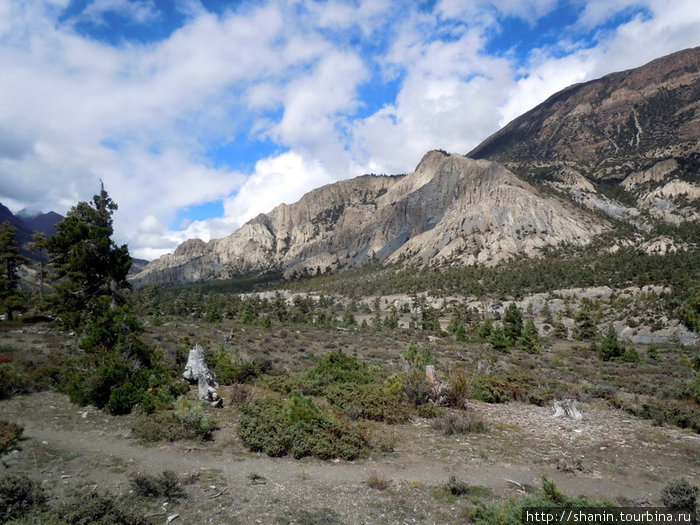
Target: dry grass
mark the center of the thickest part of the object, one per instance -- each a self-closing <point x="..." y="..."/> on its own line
<point x="378" y="481"/>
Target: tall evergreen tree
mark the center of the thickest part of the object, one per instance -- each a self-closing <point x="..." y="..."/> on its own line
<point x="91" y="269"/>
<point x="512" y="323"/>
<point x="10" y="260"/>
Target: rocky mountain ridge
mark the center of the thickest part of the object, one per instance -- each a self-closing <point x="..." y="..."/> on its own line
<point x="614" y="157"/>
<point x="625" y="144"/>
<point x="451" y="210"/>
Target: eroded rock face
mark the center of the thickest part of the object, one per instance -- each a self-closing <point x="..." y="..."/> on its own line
<point x="452" y="209"/>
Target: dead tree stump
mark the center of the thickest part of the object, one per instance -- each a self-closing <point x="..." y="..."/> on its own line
<point x="567" y="408"/>
<point x="197" y="371"/>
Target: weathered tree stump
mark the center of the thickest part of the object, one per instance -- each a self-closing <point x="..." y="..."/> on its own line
<point x="437" y="386"/>
<point x="197" y="371"/>
<point x="567" y="408"/>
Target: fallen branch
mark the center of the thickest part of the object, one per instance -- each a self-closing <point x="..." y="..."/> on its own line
<point x="519" y="486"/>
<point x="219" y="493"/>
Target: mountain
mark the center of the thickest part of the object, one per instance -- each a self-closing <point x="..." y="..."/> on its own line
<point x="631" y="135"/>
<point x="22" y="231"/>
<point x="41" y="222"/>
<point x="451" y="209"/>
<point x="27" y="223"/>
<point x="608" y="160"/>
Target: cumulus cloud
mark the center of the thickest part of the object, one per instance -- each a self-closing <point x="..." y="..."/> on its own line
<point x="281" y="179"/>
<point x="150" y="119"/>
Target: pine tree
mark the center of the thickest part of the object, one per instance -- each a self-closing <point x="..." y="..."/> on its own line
<point x="586" y="328"/>
<point x="610" y="347"/>
<point x="529" y="338"/>
<point x="91" y="269"/>
<point x="498" y="339"/>
<point x="10" y="260"/>
<point x="512" y="323"/>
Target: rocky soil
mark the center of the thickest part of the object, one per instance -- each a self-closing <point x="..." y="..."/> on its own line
<point x="607" y="454"/>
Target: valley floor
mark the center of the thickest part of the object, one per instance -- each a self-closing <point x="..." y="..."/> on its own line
<point x="607" y="455"/>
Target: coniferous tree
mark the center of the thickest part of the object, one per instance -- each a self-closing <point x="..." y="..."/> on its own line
<point x="586" y="328"/>
<point x="512" y="323"/>
<point x="10" y="260"/>
<point x="529" y="338"/>
<point x="91" y="269"/>
<point x="610" y="347"/>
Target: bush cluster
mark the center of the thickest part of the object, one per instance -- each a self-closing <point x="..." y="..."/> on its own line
<point x="509" y="512"/>
<point x="681" y="495"/>
<point x="166" y="485"/>
<point x="20" y="495"/>
<point x="13" y="380"/>
<point x="9" y="435"/>
<point x="297" y="427"/>
<point x="118" y="370"/>
<point x="187" y="421"/>
<point x="24" y="500"/>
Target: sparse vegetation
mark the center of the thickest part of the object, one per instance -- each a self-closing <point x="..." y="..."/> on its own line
<point x="459" y="423"/>
<point x="378" y="481"/>
<point x="10" y="434"/>
<point x="165" y="485"/>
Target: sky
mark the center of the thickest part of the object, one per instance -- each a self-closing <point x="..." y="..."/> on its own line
<point x="197" y="115"/>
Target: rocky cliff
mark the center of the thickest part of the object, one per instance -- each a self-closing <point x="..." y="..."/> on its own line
<point x="451" y="209"/>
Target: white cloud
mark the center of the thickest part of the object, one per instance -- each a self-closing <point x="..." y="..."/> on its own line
<point x="281" y="179"/>
<point x="138" y="11"/>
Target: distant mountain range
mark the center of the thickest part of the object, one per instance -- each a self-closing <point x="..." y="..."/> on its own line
<point x="27" y="223"/>
<point x="608" y="163"/>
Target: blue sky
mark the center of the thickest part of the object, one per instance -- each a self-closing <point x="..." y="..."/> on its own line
<point x="200" y="114"/>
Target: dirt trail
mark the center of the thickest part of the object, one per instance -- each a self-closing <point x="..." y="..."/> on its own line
<point x="69" y="447"/>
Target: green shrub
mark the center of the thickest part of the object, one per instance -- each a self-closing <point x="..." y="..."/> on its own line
<point x="13" y="380"/>
<point x="188" y="421"/>
<point x="368" y="401"/>
<point x="418" y="357"/>
<point x="166" y="485"/>
<point x="10" y="434"/>
<point x="19" y="495"/>
<point x="416" y="390"/>
<point x="679" y="494"/>
<point x="610" y="347"/>
<point x="229" y="371"/>
<point x="337" y="367"/>
<point x="509" y="512"/>
<point x="487" y="389"/>
<point x="630" y="355"/>
<point x="98" y="508"/>
<point x="297" y="427"/>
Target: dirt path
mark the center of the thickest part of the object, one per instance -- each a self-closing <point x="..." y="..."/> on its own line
<point x="68" y="447"/>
